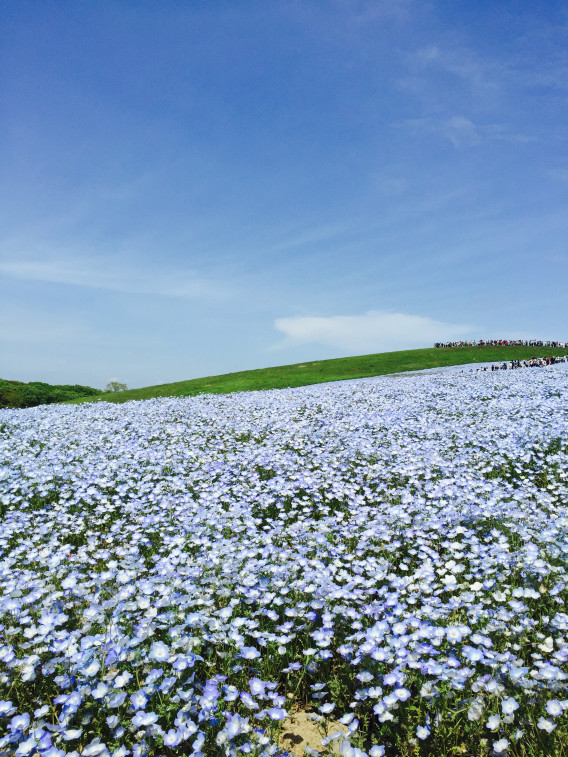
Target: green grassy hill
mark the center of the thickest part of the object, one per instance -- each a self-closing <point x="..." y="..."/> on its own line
<point x="301" y="374"/>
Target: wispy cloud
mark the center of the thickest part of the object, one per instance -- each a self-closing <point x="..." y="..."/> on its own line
<point x="363" y="12"/>
<point x="116" y="276"/>
<point x="393" y="186"/>
<point x="462" y="132"/>
<point x="312" y="236"/>
<point x="374" y="331"/>
<point x="482" y="74"/>
<point x="558" y="174"/>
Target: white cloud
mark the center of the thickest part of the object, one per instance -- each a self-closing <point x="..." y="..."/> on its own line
<point x="375" y="331"/>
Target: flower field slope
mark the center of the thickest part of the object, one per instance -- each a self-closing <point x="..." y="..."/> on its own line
<point x="338" y="369"/>
<point x="391" y="554"/>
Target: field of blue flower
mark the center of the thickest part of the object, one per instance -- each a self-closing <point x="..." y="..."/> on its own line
<point x="389" y="555"/>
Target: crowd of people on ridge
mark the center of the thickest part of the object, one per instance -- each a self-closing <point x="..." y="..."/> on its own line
<point x="535" y="362"/>
<point x="504" y="343"/>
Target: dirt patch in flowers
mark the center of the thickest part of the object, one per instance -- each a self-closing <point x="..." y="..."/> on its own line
<point x="299" y="731"/>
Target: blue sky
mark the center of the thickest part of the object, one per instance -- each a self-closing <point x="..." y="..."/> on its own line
<point x="191" y="188"/>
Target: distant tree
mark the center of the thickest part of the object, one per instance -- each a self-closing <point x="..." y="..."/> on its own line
<point x="115" y="386"/>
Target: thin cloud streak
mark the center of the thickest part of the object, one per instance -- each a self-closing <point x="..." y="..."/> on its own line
<point x="481" y="74"/>
<point x="462" y="132"/>
<point x="324" y="233"/>
<point x="106" y="275"/>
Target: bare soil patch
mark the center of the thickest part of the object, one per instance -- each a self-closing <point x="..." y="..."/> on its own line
<point x="300" y="730"/>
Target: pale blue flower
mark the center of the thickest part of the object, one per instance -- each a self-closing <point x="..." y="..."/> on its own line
<point x="546" y="725"/>
<point x="249" y="653"/>
<point x="139" y="699"/>
<point x="159" y="651"/>
<point x="26" y="747"/>
<point x="500" y="746"/>
<point x="509" y="705"/>
<point x="325" y="709"/>
<point x="554" y="707"/>
<point x="493" y="722"/>
<point x="276" y="713"/>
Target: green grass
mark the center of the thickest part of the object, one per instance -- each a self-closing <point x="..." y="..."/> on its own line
<point x="301" y="374"/>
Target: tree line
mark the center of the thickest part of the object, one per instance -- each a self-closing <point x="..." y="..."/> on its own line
<point x="20" y="394"/>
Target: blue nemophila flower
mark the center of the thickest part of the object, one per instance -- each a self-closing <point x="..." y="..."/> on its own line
<point x="500" y="746"/>
<point x="100" y="690"/>
<point x="26" y="747"/>
<point x="348" y="750"/>
<point x="117" y="700"/>
<point x="230" y="693"/>
<point x="326" y="709"/>
<point x="159" y="651"/>
<point x="257" y="686"/>
<point x="276" y="713"/>
<point x="6" y="708"/>
<point x="122" y="679"/>
<point x="509" y="705"/>
<point x="95" y="748"/>
<point x="153" y="676"/>
<point x="377" y="751"/>
<point x="172" y="738"/>
<point x="44" y="740"/>
<point x="402" y="694"/>
<point x="139" y="699"/>
<point x="494" y="723"/>
<point x="20" y="722"/>
<point x="473" y="654"/>
<point x="167" y="684"/>
<point x="143" y="719"/>
<point x="347" y="718"/>
<point x="70" y="734"/>
<point x="554" y="707"/>
<point x="546" y="725"/>
<point x="293" y="666"/>
<point x="249" y="653"/>
<point x="248" y="701"/>
<point x="185" y="661"/>
<point x="91" y="669"/>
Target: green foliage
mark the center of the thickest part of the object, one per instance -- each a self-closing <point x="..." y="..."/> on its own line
<point x="340" y="369"/>
<point x="19" y="394"/>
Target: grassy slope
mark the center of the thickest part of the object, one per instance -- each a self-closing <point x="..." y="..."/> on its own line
<point x="301" y="374"/>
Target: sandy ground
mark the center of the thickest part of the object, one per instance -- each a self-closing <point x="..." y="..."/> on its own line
<point x="299" y="731"/>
